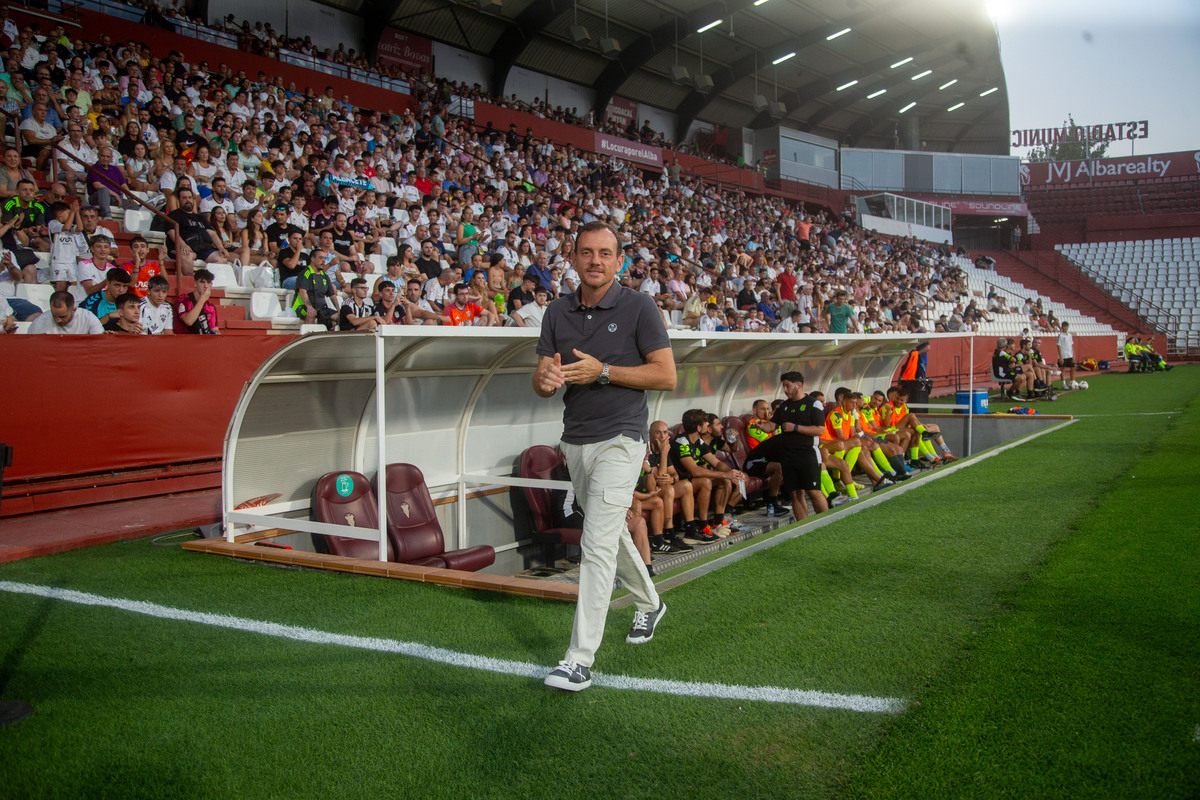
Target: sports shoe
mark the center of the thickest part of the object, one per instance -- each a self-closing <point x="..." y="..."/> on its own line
<point x="948" y="457"/>
<point x="678" y="545"/>
<point x="644" y="624"/>
<point x="883" y="483"/>
<point x="662" y="545"/>
<point x="840" y="500"/>
<point x="570" y="677"/>
<point x="703" y="536"/>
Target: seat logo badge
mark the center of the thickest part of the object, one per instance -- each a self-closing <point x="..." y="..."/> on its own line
<point x="405" y="508"/>
<point x="350" y="520"/>
<point x="344" y="485"/>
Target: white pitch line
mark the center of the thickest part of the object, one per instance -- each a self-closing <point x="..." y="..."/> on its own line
<point x="522" y="669"/>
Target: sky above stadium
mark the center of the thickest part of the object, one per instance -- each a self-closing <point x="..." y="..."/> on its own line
<point x="1104" y="62"/>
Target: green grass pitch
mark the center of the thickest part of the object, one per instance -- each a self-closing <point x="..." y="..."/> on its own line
<point x="1039" y="614"/>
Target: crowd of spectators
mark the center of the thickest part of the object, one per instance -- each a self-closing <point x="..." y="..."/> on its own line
<point x="257" y="171"/>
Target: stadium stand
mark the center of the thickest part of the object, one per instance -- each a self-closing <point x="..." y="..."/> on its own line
<point x="1158" y="278"/>
<point x="431" y="163"/>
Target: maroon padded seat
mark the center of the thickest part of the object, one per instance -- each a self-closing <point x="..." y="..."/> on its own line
<point x="753" y="484"/>
<point x="738" y="426"/>
<point x="413" y="528"/>
<point x="358" y="509"/>
<point x="545" y="463"/>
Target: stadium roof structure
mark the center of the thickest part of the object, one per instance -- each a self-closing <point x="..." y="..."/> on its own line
<point x="850" y="70"/>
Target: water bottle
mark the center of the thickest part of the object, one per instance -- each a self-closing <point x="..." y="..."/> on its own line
<point x="770" y="509"/>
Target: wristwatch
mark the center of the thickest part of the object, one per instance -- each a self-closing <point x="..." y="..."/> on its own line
<point x="603" y="379"/>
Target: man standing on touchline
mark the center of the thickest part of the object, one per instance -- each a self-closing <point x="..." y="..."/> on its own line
<point x="608" y="344"/>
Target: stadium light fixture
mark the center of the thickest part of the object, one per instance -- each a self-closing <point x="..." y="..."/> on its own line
<point x="908" y="107"/>
<point x="833" y="36"/>
<point x="920" y="75"/>
<point x="956" y="106"/>
<point x="902" y="63"/>
<point x="710" y="26"/>
<point x="782" y="59"/>
<point x="846" y="85"/>
<point x="947" y="85"/>
<point x="989" y="91"/>
<point x="873" y="95"/>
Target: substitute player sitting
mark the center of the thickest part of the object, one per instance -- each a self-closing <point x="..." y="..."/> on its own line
<point x="656" y="493"/>
<point x="887" y="451"/>
<point x="712" y="480"/>
<point x="921" y="448"/>
<point x="659" y="468"/>
<point x="842" y="426"/>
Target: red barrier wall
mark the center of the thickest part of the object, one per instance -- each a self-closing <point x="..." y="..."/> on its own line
<point x="161" y="42"/>
<point x="84" y="404"/>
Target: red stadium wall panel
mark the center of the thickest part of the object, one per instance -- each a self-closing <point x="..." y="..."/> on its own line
<point x="1123" y="227"/>
<point x="161" y="42"/>
<point x="941" y="366"/>
<point x="89" y="404"/>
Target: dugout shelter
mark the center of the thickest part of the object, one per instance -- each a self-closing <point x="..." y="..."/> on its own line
<point x="457" y="402"/>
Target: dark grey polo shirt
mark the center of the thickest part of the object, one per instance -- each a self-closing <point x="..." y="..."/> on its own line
<point x="619" y="330"/>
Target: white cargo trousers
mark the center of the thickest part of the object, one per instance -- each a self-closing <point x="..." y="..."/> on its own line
<point x="603" y="475"/>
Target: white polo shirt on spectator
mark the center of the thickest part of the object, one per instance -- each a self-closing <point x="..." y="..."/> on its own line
<point x="435" y="292"/>
<point x="83" y="321"/>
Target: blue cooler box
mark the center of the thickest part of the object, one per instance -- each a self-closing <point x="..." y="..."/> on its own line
<point x="979" y="403"/>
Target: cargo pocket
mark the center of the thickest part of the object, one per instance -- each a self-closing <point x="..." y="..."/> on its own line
<point x="621" y="498"/>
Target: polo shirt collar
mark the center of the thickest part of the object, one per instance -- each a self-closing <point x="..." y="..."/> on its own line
<point x="608" y="301"/>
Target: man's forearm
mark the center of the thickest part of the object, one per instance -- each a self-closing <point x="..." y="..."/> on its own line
<point x="651" y="375"/>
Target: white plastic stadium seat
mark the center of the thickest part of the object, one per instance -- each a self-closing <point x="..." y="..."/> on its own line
<point x="36" y="293"/>
<point x="224" y="276"/>
<point x="264" y="306"/>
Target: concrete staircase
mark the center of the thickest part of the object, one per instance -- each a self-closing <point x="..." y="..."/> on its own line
<point x="1052" y="276"/>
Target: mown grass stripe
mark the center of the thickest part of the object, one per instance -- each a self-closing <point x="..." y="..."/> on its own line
<point x="768" y="694"/>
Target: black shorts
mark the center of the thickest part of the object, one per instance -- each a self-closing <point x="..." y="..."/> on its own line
<point x="758" y="469"/>
<point x="1068" y="362"/>
<point x="799" y="477"/>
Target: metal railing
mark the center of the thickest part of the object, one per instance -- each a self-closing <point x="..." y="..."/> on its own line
<point x="1159" y="318"/>
<point x="1047" y="263"/>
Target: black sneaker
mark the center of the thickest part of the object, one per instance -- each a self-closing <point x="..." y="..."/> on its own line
<point x="644" y="624"/>
<point x="678" y="545"/>
<point x="661" y="544"/>
<point x="570" y="677"/>
<point x="704" y="536"/>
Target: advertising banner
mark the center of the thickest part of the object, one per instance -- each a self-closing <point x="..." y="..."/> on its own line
<point x="999" y="208"/>
<point x="413" y="53"/>
<point x="622" y="112"/>
<point x="630" y="151"/>
<point x="1097" y="170"/>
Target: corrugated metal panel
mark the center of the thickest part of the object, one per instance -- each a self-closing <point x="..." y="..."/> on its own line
<point x="621" y="29"/>
<point x="344" y="5"/>
<point x="638" y="15"/>
<point x="563" y="60"/>
<point x="727" y="112"/>
<point x="647" y="88"/>
<point x="448" y="24"/>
